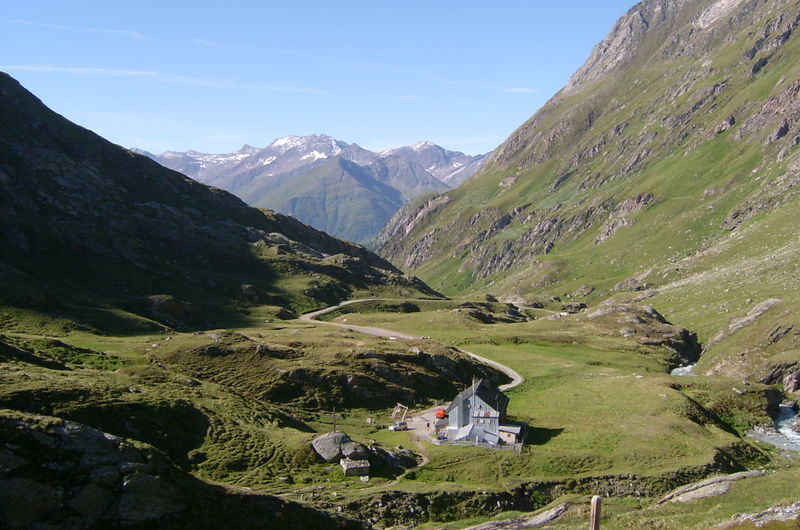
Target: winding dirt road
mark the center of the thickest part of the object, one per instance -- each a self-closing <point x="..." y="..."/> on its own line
<point x="311" y="317"/>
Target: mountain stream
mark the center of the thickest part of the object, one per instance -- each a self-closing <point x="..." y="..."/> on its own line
<point x="782" y="435"/>
<point x="684" y="370"/>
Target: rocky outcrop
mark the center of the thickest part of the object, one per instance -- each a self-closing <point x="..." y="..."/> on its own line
<point x="619" y="216"/>
<point x="57" y="473"/>
<point x="648" y="327"/>
<point x="787" y="512"/>
<point x="707" y="488"/>
<point x="529" y="521"/>
<point x="786" y="374"/>
<point x="403" y="222"/>
<point x="738" y="323"/>
<point x="637" y="282"/>
<point x="487" y="314"/>
<point x="171" y="311"/>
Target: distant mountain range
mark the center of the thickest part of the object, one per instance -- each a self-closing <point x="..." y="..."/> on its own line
<point x="340" y="188"/>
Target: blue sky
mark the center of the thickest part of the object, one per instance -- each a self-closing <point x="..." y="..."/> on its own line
<point x="212" y="76"/>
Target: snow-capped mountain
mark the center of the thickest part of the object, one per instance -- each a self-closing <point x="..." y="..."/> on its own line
<point x="341" y="188"/>
<point x="450" y="167"/>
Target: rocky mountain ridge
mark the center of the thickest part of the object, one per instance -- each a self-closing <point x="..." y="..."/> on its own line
<point x="340" y="188"/>
<point x="667" y="169"/>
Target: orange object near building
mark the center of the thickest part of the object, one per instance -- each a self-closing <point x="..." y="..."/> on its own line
<point x="440" y="413"/>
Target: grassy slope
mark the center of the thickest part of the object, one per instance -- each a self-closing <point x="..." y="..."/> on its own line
<point x="703" y="273"/>
<point x="339" y="197"/>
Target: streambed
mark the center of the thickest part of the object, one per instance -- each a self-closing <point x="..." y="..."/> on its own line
<point x="782" y="434"/>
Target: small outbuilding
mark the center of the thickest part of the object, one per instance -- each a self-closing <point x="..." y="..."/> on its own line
<point x="354" y="468"/>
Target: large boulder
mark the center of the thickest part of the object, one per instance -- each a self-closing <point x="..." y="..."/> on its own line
<point x="333" y="446"/>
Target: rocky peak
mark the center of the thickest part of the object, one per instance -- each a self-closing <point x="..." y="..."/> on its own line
<point x="321" y="142"/>
<point x="248" y="149"/>
<point x="624" y="41"/>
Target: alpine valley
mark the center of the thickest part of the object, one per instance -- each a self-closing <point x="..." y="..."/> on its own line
<point x="336" y="187"/>
<point x="171" y="357"/>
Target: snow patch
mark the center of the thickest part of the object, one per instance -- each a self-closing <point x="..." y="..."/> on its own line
<point x="316" y="155"/>
<point x="287" y="142"/>
<point x="269" y="160"/>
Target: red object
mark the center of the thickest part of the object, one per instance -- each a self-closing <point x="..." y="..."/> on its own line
<point x="440" y="413"/>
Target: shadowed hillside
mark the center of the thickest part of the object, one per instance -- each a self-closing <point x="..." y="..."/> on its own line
<point x="95" y="231"/>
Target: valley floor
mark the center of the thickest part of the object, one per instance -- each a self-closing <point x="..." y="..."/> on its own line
<point x="599" y="408"/>
<point x="240" y="406"/>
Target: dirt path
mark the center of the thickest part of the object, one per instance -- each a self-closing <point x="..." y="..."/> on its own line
<point x="516" y="378"/>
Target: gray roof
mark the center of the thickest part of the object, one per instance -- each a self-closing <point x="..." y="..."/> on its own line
<point x="487" y="392"/>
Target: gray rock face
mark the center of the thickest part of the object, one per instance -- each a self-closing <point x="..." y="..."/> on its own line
<point x="95" y="477"/>
<point x="619" y="217"/>
<point x="791" y="382"/>
<point x="787" y="373"/>
<point x="333" y="446"/>
<point x="707" y="488"/>
<point x="623" y="41"/>
<point x="91" y="501"/>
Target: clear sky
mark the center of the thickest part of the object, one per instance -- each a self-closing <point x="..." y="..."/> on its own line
<point x="212" y="76"/>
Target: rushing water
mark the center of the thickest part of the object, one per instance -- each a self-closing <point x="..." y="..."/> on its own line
<point x="782" y="435"/>
<point x="684" y="370"/>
